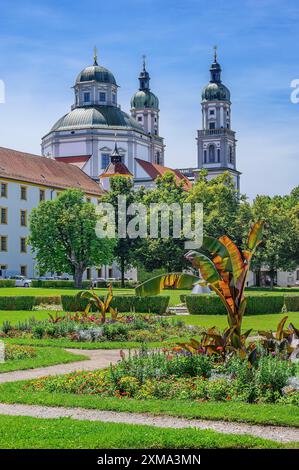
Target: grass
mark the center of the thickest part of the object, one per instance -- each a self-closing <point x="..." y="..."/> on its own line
<point x="45" y="357"/>
<point x="66" y="433"/>
<point x="275" y="414"/>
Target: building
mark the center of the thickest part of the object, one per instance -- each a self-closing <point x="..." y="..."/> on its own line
<point x="86" y="134"/>
<point x="25" y="181"/>
<point x="216" y="141"/>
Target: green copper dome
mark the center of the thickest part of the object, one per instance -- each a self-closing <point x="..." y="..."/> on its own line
<point x="95" y="117"/>
<point x="96" y="73"/>
<point x="144" y="99"/>
<point x="215" y="92"/>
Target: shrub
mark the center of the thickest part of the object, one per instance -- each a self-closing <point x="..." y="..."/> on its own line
<point x="17" y="302"/>
<point x="203" y="304"/>
<point x="292" y="303"/>
<point x="271" y="376"/>
<point x="123" y="303"/>
<point x="7" y="283"/>
<point x="47" y="300"/>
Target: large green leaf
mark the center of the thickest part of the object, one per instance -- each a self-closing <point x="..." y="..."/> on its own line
<point x="205" y="265"/>
<point x="219" y="252"/>
<point x="174" y="280"/>
<point x="255" y="235"/>
<point x="235" y="257"/>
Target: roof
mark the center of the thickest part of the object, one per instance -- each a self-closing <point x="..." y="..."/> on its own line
<point x="116" y="169"/>
<point x="96" y="117"/>
<point x="96" y="73"/>
<point x="144" y="99"/>
<point x="45" y="171"/>
<point x="154" y="170"/>
<point x="78" y="161"/>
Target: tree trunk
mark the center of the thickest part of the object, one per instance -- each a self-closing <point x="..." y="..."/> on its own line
<point x="122" y="268"/>
<point x="78" y="275"/>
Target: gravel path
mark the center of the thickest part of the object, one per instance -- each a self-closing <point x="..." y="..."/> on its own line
<point x="275" y="433"/>
<point x="96" y="359"/>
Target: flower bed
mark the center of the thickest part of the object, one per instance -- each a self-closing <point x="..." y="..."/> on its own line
<point x="15" y="352"/>
<point x="80" y="327"/>
<point x="175" y="374"/>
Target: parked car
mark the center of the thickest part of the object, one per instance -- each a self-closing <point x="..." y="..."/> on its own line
<point x="21" y="281"/>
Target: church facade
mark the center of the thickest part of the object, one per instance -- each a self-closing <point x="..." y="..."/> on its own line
<point x="86" y="135"/>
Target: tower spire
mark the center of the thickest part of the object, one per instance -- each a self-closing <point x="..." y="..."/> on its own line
<point x="95" y="56"/>
<point x="143" y="62"/>
<point x="144" y="77"/>
<point x="215" y="53"/>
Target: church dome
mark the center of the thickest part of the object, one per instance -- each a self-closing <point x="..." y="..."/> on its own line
<point x="86" y="117"/>
<point x="215" y="92"/>
<point x="96" y="73"/>
<point x="144" y="99"/>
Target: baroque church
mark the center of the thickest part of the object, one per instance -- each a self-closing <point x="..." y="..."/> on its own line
<point x="87" y="135"/>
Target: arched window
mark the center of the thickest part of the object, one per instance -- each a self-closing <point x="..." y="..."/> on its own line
<point x="211" y="154"/>
<point x="205" y="156"/>
<point x="158" y="158"/>
<point x="218" y="155"/>
<point x="230" y="154"/>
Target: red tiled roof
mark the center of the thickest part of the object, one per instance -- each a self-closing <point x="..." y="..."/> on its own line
<point x="154" y="170"/>
<point x="45" y="171"/>
<point x="116" y="169"/>
<point x="78" y="161"/>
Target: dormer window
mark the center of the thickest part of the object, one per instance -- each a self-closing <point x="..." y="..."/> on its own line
<point x="86" y="97"/>
<point x="102" y="97"/>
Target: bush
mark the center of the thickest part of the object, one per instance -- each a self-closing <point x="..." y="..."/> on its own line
<point x="47" y="300"/>
<point x="292" y="303"/>
<point x="123" y="303"/>
<point x="203" y="304"/>
<point x="17" y="302"/>
<point x="57" y="284"/>
<point x="7" y="283"/>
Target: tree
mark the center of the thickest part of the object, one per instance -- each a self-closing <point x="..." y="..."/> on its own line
<point x="280" y="249"/>
<point x="166" y="253"/>
<point x="63" y="238"/>
<point x="124" y="249"/>
<point x="223" y="207"/>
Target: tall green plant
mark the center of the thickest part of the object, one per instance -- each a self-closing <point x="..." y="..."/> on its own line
<point x="224" y="268"/>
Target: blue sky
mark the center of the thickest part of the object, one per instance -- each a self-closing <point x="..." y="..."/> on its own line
<point x="43" y="46"/>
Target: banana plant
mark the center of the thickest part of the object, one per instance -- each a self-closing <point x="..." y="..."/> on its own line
<point x="225" y="272"/>
<point x="171" y="280"/>
<point x="103" y="306"/>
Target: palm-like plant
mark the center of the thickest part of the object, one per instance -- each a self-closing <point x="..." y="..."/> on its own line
<point x="102" y="306"/>
<point x="165" y="281"/>
<point x="225" y="272"/>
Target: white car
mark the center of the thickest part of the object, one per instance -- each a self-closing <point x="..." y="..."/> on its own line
<point x="21" y="281"/>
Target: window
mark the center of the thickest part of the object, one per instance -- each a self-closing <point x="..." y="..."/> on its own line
<point x="212" y="125"/>
<point x="3" y="189"/>
<point x="139" y="118"/>
<point x="3" y="269"/>
<point x="86" y="97"/>
<point x="155" y="119"/>
<point x="110" y="272"/>
<point x="211" y="154"/>
<point x="23" y="245"/>
<point x="3" y="215"/>
<point x="23" y="218"/>
<point x="99" y="272"/>
<point x="102" y="96"/>
<point x="205" y="156"/>
<point x="105" y="160"/>
<point x="230" y="155"/>
<point x="212" y="112"/>
<point x="88" y="199"/>
<point x="24" y="193"/>
<point x="42" y="195"/>
<point x="113" y="98"/>
<point x="23" y="270"/>
<point x="218" y="155"/>
<point x="88" y="273"/>
<point x="3" y="243"/>
<point x="297" y="275"/>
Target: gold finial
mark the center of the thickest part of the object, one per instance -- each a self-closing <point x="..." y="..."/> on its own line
<point x="215" y="53"/>
<point x="143" y="61"/>
<point x="95" y="56"/>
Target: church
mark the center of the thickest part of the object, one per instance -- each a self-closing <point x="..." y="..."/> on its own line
<point x="87" y="135"/>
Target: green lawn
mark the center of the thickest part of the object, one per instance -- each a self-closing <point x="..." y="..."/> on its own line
<point x="276" y="414"/>
<point x="66" y="433"/>
<point x="45" y="357"/>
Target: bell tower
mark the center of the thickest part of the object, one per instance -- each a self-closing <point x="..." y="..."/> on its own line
<point x="216" y="141"/>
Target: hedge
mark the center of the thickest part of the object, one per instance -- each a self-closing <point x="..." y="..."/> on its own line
<point x="58" y="284"/>
<point x="117" y="284"/>
<point x="47" y="300"/>
<point x="17" y="302"/>
<point x="292" y="303"/>
<point x="203" y="304"/>
<point x="7" y="283"/>
<point x="123" y="303"/>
